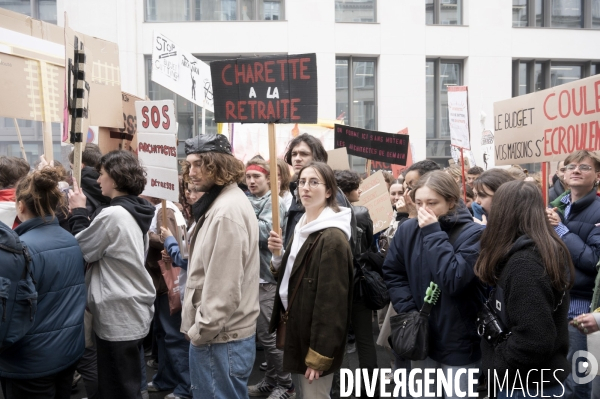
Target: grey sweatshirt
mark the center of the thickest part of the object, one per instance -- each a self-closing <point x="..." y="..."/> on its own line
<point x="120" y="290"/>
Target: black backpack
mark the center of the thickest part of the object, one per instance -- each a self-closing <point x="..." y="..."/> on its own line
<point x="18" y="295"/>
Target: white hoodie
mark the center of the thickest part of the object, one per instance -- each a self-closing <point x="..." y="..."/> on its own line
<point x="327" y="218"/>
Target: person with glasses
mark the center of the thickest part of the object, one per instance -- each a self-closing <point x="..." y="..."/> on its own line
<point x="559" y="185"/>
<point x="314" y="288"/>
<point x="575" y="216"/>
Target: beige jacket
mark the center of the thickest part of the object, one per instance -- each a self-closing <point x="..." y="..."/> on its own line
<point x="221" y="295"/>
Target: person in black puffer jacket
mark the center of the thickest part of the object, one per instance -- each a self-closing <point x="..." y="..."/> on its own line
<point x="531" y="271"/>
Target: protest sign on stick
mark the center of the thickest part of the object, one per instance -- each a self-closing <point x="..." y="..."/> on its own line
<point x="279" y="89"/>
<point x="338" y="159"/>
<point x="376" y="198"/>
<point x="157" y="149"/>
<point x="548" y="125"/>
<point x="369" y="144"/>
<point x="458" y="119"/>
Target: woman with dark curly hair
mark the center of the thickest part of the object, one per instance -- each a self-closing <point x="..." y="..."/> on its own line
<point x="120" y="291"/>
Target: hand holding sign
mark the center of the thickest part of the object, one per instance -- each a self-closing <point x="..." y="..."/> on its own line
<point x="77" y="198"/>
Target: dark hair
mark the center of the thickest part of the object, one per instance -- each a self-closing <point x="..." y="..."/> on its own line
<point x="492" y="179"/>
<point x="284" y="176"/>
<point x="580" y="155"/>
<point x="90" y="156"/>
<point x="389" y="178"/>
<point x="223" y="169"/>
<point x="470" y="193"/>
<point x="475" y="170"/>
<point x="125" y="170"/>
<point x="347" y="180"/>
<point x="328" y="178"/>
<point x="318" y="151"/>
<point x="422" y="167"/>
<point x="518" y="209"/>
<point x="40" y="194"/>
<point x="440" y="182"/>
<point x="12" y="169"/>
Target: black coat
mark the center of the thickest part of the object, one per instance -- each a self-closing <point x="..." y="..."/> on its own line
<point x="320" y="314"/>
<point x="555" y="191"/>
<point x="540" y="336"/>
<point x="418" y="256"/>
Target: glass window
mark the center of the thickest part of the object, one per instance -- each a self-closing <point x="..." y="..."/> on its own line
<point x="355" y="11"/>
<point x="561" y="74"/>
<point x="539" y="77"/>
<point x="539" y="13"/>
<point x="20" y="6"/>
<point x="519" y="13"/>
<point x="523" y="79"/>
<point x="567" y="13"/>
<point x="429" y="7"/>
<point x="355" y="81"/>
<point x="443" y="12"/>
<point x="430" y="98"/>
<point x="439" y="74"/>
<point x="47" y="10"/>
<point x="596" y="14"/>
<point x="213" y="10"/>
<point x="450" y="12"/>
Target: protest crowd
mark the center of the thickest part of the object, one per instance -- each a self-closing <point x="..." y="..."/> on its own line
<point x="98" y="289"/>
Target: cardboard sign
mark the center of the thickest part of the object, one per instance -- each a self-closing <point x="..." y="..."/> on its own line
<point x="458" y="116"/>
<point x="280" y="89"/>
<point x="157" y="148"/>
<point x="376" y="146"/>
<point x="394" y="169"/>
<point x="124" y="138"/>
<point x="376" y="198"/>
<point x="548" y="125"/>
<point x="487" y="149"/>
<point x="338" y="159"/>
<point x="181" y="72"/>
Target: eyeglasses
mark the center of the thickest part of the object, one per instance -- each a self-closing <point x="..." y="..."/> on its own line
<point x="312" y="183"/>
<point x="582" y="167"/>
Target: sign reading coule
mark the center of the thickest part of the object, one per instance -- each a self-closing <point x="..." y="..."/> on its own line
<point x="280" y="89"/>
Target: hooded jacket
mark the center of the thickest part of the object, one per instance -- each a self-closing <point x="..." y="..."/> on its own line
<point x="56" y="340"/>
<point x="95" y="201"/>
<point x="320" y="314"/>
<point x="263" y="209"/>
<point x="418" y="256"/>
<point x="536" y="315"/>
<point x="120" y="291"/>
<point x="583" y="240"/>
<point x="555" y="191"/>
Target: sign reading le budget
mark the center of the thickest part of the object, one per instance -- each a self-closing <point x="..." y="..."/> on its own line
<point x="279" y="89"/>
<point x="548" y="125"/>
<point x="376" y="146"/>
<point x="157" y="148"/>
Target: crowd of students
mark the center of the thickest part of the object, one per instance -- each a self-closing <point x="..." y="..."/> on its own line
<point x="291" y="286"/>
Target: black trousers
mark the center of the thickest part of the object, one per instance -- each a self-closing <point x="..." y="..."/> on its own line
<point x="119" y="369"/>
<point x="88" y="368"/>
<point x="56" y="386"/>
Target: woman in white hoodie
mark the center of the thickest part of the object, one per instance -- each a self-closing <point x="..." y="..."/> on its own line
<point x="314" y="290"/>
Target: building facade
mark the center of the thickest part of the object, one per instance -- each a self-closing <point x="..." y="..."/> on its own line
<point x="382" y="64"/>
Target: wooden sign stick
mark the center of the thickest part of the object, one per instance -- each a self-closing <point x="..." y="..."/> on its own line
<point x="46" y="118"/>
<point x="164" y="214"/>
<point x="274" y="182"/>
<point x="20" y="139"/>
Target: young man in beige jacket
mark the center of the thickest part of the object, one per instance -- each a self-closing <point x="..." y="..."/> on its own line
<point x="221" y="296"/>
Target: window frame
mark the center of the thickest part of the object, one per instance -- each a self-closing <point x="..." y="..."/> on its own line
<point x="586" y="10"/>
<point x="437" y="4"/>
<point x="375" y="16"/>
<point x="192" y="13"/>
<point x="437" y="104"/>
<point x="586" y="70"/>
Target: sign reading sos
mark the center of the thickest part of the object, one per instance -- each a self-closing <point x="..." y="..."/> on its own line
<point x="156" y="116"/>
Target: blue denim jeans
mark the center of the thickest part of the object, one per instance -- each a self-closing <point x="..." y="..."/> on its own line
<point x="552" y="392"/>
<point x="220" y="371"/>
<point x="173" y="350"/>
<point x="577" y="342"/>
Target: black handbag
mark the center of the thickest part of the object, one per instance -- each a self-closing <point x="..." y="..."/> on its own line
<point x="372" y="289"/>
<point x="410" y="335"/>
